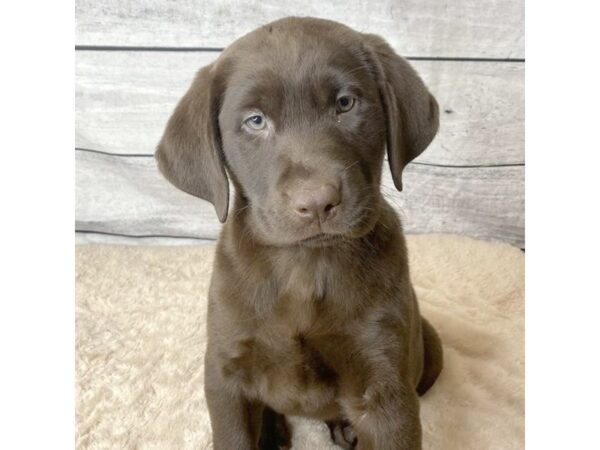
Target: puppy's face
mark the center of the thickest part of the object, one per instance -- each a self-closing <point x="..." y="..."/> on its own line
<point x="299" y="113"/>
<point x="303" y="133"/>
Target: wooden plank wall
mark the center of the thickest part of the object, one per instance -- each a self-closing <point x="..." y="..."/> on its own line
<point x="136" y="59"/>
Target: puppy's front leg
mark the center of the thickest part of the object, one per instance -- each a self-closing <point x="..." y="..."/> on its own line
<point x="386" y="417"/>
<point x="235" y="421"/>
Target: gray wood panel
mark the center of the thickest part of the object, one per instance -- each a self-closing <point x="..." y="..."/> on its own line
<point x="127" y="195"/>
<point x="101" y="238"/>
<point x="123" y="101"/>
<point x="486" y="203"/>
<point x="449" y="28"/>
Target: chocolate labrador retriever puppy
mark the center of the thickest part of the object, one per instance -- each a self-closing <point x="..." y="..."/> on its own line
<point x="311" y="309"/>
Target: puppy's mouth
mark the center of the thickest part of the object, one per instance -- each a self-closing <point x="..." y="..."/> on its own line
<point x="321" y="240"/>
<point x="270" y="227"/>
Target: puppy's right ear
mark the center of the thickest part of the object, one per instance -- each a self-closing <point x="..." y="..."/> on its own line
<point x="189" y="154"/>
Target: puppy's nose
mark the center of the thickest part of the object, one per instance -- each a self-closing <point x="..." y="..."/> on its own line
<point x="320" y="202"/>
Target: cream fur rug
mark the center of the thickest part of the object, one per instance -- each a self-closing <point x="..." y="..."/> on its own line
<point x="140" y="320"/>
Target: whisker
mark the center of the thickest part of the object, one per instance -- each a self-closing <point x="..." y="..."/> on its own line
<point x="349" y="166"/>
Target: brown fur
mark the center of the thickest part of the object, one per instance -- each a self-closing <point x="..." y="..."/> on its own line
<point x="308" y="317"/>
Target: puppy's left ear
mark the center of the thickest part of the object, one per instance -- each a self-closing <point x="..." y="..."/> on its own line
<point x="411" y="111"/>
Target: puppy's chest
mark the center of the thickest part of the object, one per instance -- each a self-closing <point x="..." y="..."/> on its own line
<point x="292" y="359"/>
<point x="291" y="372"/>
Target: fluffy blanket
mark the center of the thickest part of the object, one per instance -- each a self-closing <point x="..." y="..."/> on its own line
<point x="140" y="337"/>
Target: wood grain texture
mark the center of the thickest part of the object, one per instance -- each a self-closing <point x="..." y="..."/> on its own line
<point x="438" y="28"/>
<point x="124" y="99"/>
<point x="486" y="203"/>
<point x="127" y="195"/>
<point x="82" y="238"/>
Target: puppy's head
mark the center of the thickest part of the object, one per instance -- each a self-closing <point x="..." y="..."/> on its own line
<point x="299" y="114"/>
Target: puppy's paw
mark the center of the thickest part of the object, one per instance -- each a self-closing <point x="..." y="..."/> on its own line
<point x="342" y="434"/>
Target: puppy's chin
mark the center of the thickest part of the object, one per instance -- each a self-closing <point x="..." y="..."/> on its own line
<point x="283" y="234"/>
<point x="321" y="240"/>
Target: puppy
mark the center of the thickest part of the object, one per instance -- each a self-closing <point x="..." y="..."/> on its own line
<point x="311" y="310"/>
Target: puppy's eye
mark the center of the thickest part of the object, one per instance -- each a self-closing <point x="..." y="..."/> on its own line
<point x="256" y="122"/>
<point x="344" y="103"/>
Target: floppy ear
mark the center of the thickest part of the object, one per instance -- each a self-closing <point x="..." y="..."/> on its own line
<point x="189" y="153"/>
<point x="411" y="111"/>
